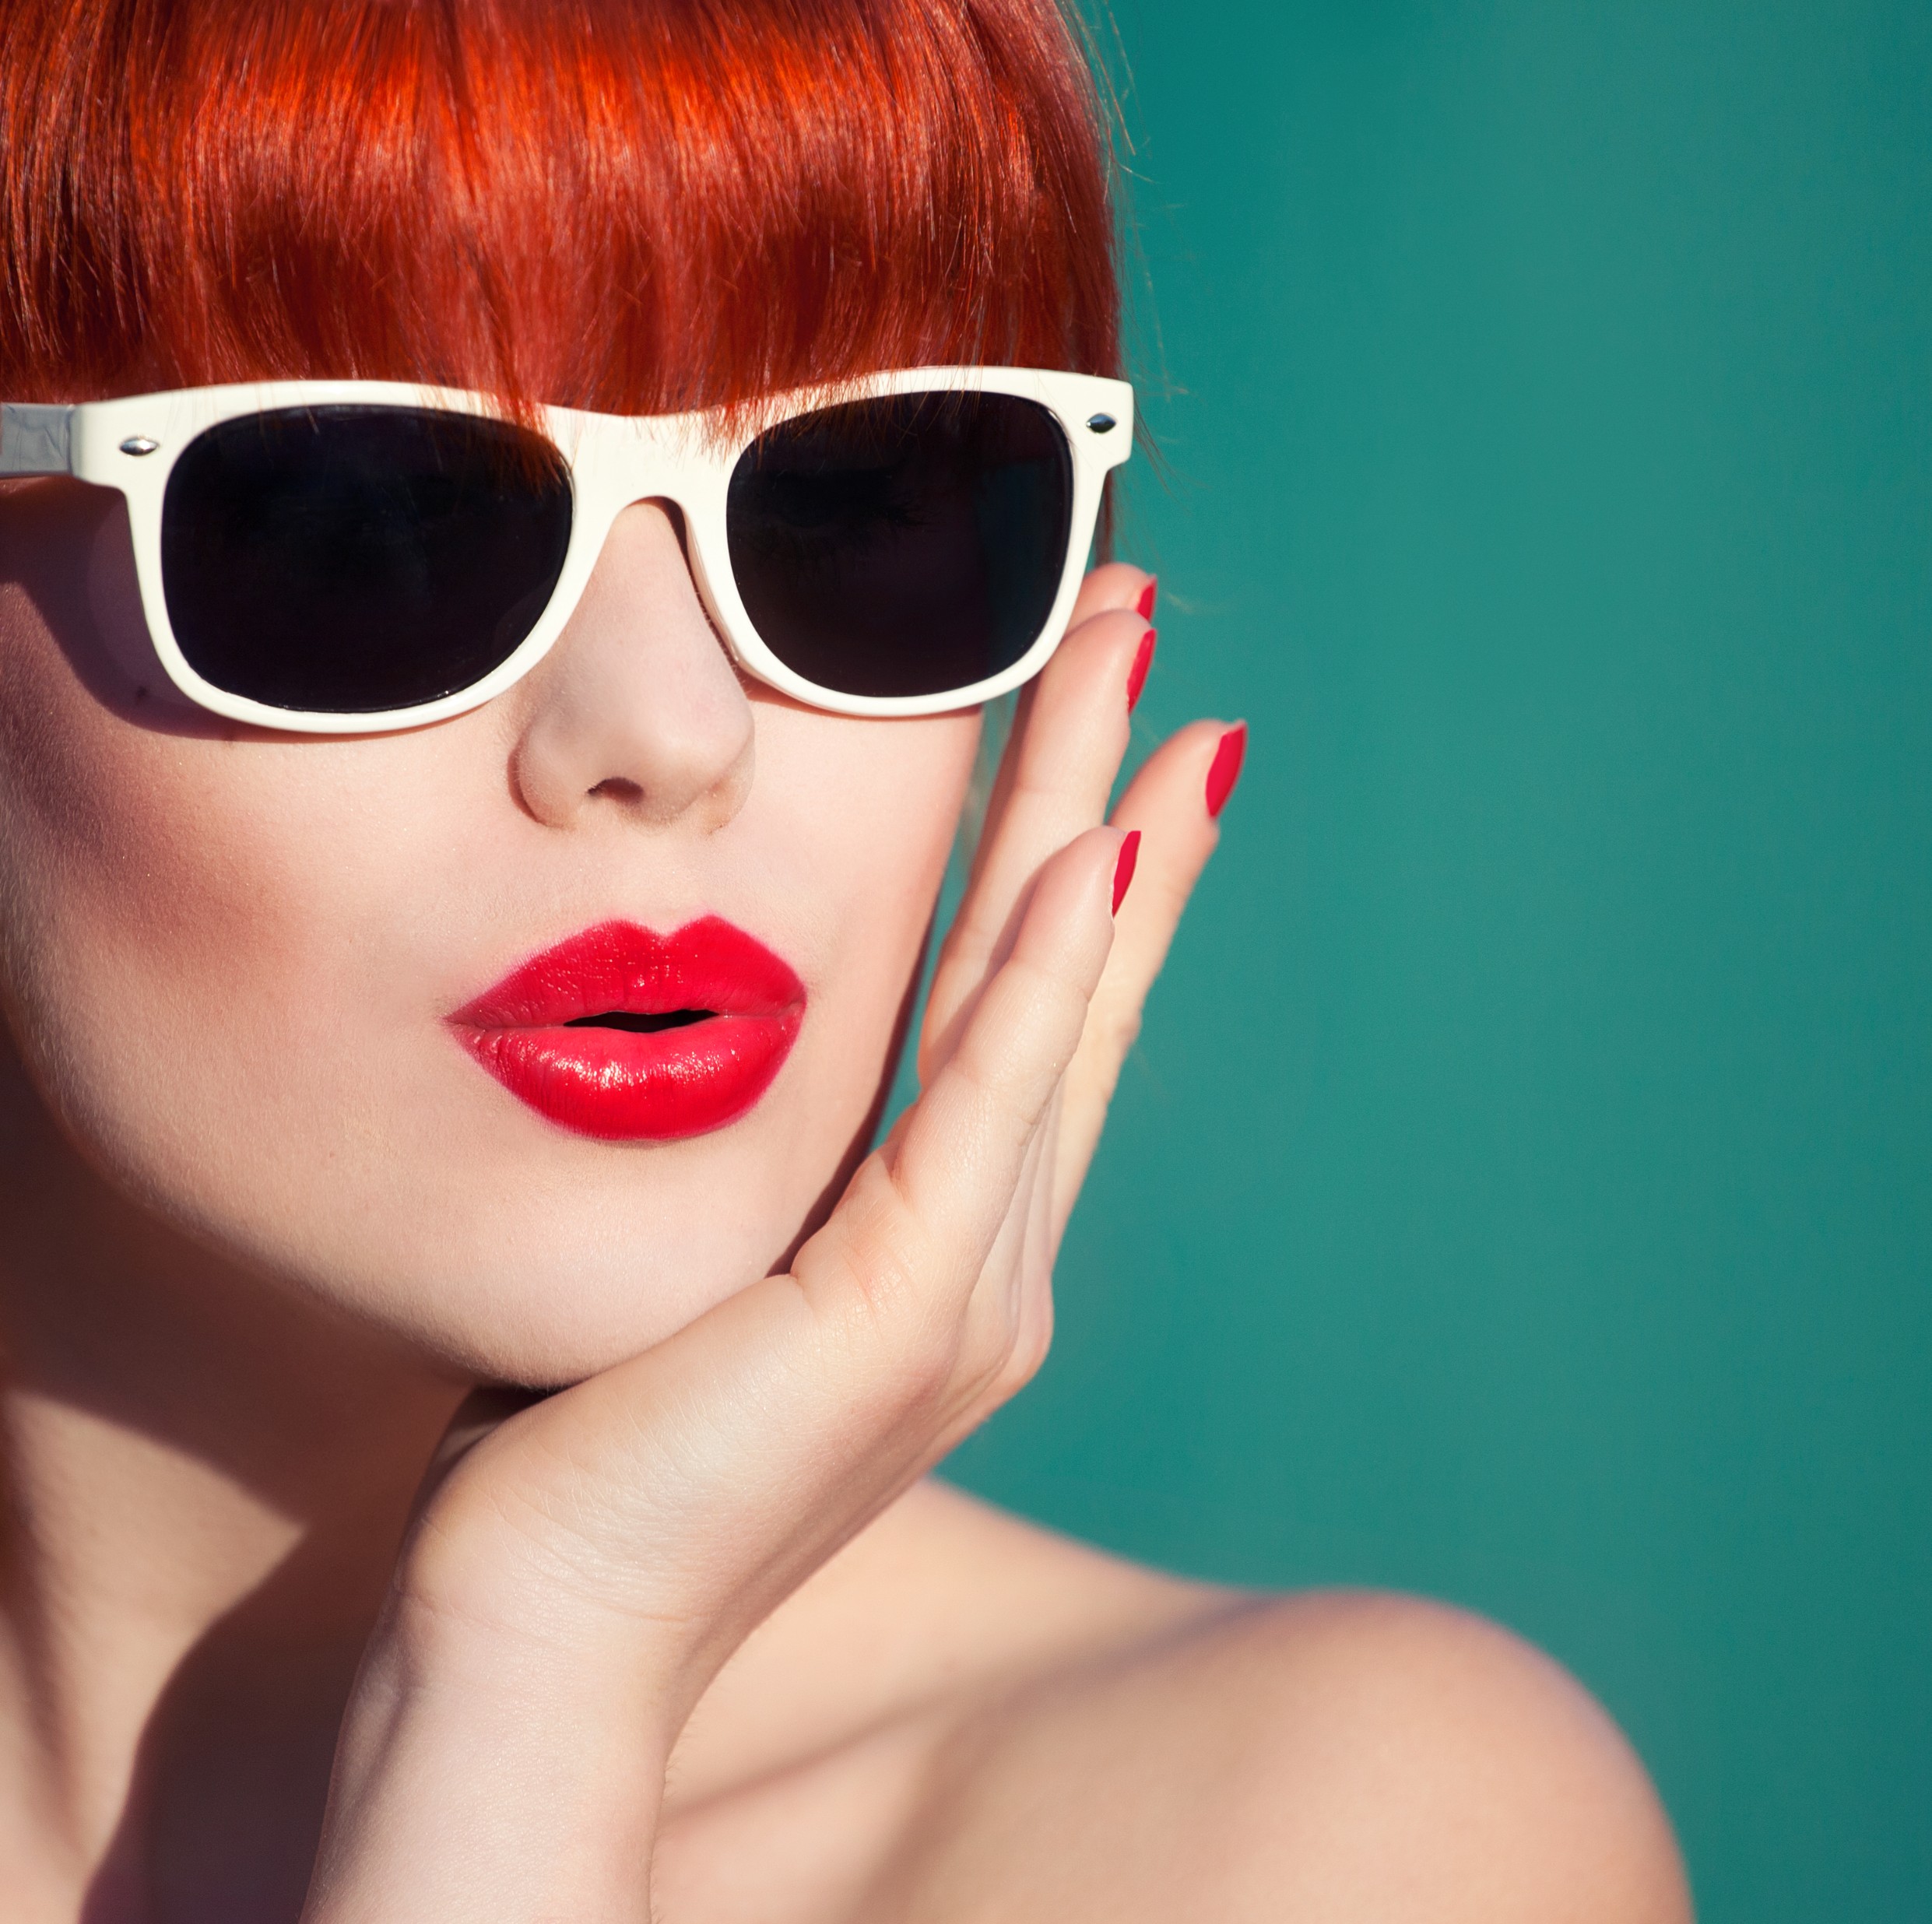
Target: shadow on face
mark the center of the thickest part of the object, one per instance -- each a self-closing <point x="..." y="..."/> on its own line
<point x="65" y="547"/>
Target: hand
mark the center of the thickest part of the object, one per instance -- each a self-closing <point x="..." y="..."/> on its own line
<point x="579" y="1572"/>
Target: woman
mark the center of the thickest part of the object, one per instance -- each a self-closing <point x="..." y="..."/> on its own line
<point x="466" y="856"/>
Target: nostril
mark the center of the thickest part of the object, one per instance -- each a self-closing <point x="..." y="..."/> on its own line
<point x="619" y="788"/>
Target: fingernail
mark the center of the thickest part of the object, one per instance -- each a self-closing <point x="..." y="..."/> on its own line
<point x="1123" y="866"/>
<point x="1144" y="606"/>
<point x="1224" y="770"/>
<point x="1137" y="675"/>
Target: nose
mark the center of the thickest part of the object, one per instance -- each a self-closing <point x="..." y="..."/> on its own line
<point x="636" y="709"/>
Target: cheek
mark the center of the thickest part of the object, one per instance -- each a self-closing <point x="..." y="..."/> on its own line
<point x="176" y="905"/>
<point x="868" y="810"/>
<point x="105" y="852"/>
<point x="144" y="848"/>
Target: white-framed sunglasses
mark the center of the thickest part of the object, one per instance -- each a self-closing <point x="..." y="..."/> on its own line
<point x="349" y="556"/>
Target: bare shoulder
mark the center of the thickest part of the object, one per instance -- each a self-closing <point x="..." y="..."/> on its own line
<point x="1331" y="1757"/>
<point x="966" y="1719"/>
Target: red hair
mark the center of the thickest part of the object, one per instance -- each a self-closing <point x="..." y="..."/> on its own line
<point x="633" y="206"/>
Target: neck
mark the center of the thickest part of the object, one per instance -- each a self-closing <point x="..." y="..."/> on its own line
<point x="206" y="1479"/>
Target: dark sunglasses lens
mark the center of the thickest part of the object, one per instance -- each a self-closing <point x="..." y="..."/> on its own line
<point x="911" y="544"/>
<point x="353" y="561"/>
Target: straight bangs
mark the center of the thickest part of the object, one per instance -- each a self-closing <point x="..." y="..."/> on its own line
<point x="636" y="206"/>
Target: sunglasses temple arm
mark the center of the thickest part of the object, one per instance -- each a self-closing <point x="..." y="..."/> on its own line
<point x="36" y="440"/>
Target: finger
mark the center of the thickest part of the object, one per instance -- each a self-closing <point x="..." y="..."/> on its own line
<point x="922" y="1215"/>
<point x="1058" y="773"/>
<point x="1008" y="1318"/>
<point x="1118" y="586"/>
<point x="1115" y="588"/>
<point x="1008" y="1322"/>
<point x="1168" y="802"/>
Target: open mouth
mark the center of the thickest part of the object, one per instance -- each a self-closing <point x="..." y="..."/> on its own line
<point x="633" y="1022"/>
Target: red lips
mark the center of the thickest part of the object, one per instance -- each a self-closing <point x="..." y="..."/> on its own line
<point x="736" y="1009"/>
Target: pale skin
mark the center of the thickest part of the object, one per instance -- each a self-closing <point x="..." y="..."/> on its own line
<point x="696" y="1638"/>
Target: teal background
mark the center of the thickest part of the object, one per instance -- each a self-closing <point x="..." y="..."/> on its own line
<point x="1523" y="1192"/>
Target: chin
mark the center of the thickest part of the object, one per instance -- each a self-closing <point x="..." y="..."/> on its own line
<point x="515" y="1251"/>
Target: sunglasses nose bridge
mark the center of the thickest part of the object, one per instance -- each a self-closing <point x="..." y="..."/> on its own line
<point x="616" y="462"/>
<point x="619" y="464"/>
<point x="624" y="464"/>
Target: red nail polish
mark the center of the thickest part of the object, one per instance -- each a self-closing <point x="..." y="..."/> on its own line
<point x="1123" y="866"/>
<point x="1144" y="606"/>
<point x="1224" y="770"/>
<point x="1137" y="675"/>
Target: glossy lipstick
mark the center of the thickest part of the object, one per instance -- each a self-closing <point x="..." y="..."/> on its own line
<point x="630" y="1036"/>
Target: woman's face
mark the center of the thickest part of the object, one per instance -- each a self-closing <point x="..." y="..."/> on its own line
<point x="229" y="958"/>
